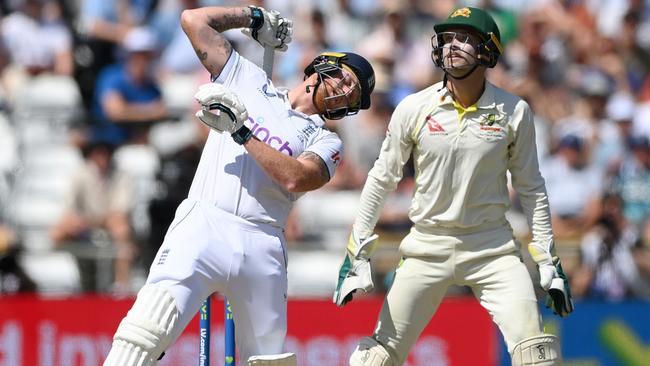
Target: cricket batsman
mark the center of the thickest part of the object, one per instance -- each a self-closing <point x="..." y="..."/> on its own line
<point x="464" y="135"/>
<point x="267" y="146"/>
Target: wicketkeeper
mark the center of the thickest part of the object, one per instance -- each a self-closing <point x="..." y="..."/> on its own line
<point x="464" y="135"/>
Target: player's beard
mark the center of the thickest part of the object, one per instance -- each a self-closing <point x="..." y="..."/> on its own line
<point x="326" y="103"/>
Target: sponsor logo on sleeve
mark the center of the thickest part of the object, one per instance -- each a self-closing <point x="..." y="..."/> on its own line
<point x="336" y="158"/>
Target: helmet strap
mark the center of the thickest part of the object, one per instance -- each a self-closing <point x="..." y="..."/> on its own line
<point x="468" y="73"/>
<point x="315" y="91"/>
<point x="444" y="82"/>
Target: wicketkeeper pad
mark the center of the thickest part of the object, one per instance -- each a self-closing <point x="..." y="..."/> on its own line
<point x="370" y="353"/>
<point x="541" y="350"/>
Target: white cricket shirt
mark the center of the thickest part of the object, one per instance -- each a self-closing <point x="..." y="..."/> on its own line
<point x="231" y="179"/>
<point x="461" y="159"/>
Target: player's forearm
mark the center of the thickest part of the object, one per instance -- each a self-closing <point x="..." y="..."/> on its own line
<point x="217" y="18"/>
<point x="203" y="27"/>
<point x="527" y="179"/>
<point x="536" y="208"/>
<point x="290" y="173"/>
<point x="530" y="186"/>
<point x="372" y="200"/>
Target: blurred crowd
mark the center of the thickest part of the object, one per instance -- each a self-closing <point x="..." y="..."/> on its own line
<point x="98" y="140"/>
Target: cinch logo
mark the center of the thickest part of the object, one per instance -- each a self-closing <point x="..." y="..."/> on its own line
<point x="264" y="134"/>
<point x="434" y="126"/>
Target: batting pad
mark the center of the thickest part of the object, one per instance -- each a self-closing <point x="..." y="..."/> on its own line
<point x="541" y="350"/>
<point x="145" y="332"/>
<point x="284" y="359"/>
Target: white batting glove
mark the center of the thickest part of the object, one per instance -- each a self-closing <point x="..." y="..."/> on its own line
<point x="355" y="272"/>
<point x="221" y="109"/>
<point x="274" y="31"/>
<point x="552" y="279"/>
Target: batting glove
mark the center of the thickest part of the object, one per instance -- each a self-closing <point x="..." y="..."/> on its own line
<point x="355" y="272"/>
<point x="222" y="110"/>
<point x="269" y="29"/>
<point x="552" y="279"/>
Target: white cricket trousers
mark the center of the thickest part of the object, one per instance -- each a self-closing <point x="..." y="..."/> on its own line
<point x="208" y="250"/>
<point x="487" y="262"/>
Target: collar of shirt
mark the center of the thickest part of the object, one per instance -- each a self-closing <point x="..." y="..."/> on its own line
<point x="486" y="101"/>
<point x="284" y="94"/>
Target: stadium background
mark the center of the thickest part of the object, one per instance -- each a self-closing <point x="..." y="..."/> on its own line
<point x="581" y="64"/>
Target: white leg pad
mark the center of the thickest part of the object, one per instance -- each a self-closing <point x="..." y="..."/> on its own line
<point x="284" y="359"/>
<point x="541" y="350"/>
<point x="370" y="353"/>
<point x="145" y="332"/>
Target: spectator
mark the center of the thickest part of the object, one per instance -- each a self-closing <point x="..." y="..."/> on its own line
<point x="37" y="42"/>
<point x="390" y="46"/>
<point x="620" y="113"/>
<point x="609" y="264"/>
<point x="8" y="159"/>
<point x="634" y="55"/>
<point x="178" y="57"/>
<point x="642" y="257"/>
<point x="574" y="188"/>
<point x="633" y="181"/>
<point x="345" y="25"/>
<point x="127" y="97"/>
<point x="305" y="47"/>
<point x="593" y="90"/>
<point x="99" y="201"/>
<point x="13" y="278"/>
<point x="103" y="26"/>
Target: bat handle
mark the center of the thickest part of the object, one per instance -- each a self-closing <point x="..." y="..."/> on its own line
<point x="268" y="61"/>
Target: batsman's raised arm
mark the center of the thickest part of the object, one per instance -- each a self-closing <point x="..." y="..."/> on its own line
<point x="203" y="27"/>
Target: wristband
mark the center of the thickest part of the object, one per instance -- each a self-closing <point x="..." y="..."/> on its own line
<point x="242" y="135"/>
<point x="257" y="18"/>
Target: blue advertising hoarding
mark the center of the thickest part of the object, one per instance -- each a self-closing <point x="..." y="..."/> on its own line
<point x="600" y="334"/>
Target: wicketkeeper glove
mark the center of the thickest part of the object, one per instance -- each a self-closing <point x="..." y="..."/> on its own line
<point x="355" y="272"/>
<point x="552" y="279"/>
<point x="269" y="29"/>
<point x="222" y="111"/>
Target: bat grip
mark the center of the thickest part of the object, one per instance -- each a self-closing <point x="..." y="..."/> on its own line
<point x="268" y="61"/>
